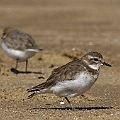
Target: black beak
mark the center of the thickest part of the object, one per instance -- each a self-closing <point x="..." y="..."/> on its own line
<point x="40" y="49"/>
<point x="104" y="63"/>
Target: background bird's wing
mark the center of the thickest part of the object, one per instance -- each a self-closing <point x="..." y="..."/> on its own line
<point x="21" y="41"/>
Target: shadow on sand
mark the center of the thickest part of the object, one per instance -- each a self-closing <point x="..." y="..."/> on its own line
<point x="78" y="108"/>
<point x="23" y="72"/>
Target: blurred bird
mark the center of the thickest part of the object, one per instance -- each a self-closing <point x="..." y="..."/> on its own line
<point x="18" y="45"/>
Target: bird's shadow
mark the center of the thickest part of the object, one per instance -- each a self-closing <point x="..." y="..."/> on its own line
<point x="78" y="108"/>
<point x="23" y="72"/>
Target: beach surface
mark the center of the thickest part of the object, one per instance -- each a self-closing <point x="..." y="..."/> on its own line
<point x="66" y="30"/>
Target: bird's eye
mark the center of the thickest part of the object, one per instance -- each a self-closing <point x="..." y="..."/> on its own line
<point x="3" y="33"/>
<point x="95" y="59"/>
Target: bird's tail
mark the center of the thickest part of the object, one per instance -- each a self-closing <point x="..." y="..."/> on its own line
<point x="34" y="49"/>
<point x="36" y="90"/>
<point x="31" y="95"/>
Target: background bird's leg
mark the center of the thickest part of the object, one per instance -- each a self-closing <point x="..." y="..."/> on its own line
<point x="26" y="65"/>
<point x="16" y="64"/>
<point x="15" y="69"/>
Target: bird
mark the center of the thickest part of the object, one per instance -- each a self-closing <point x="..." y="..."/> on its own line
<point x="18" y="45"/>
<point x="72" y="79"/>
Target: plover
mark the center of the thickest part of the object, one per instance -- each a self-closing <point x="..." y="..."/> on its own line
<point x="72" y="79"/>
<point x="18" y="45"/>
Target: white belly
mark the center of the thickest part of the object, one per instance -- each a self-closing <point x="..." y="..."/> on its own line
<point x="17" y="54"/>
<point x="72" y="88"/>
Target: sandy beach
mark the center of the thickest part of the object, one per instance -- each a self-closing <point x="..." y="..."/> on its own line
<point x="66" y="30"/>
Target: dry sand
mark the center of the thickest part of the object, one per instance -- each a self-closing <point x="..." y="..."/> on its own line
<point x="66" y="29"/>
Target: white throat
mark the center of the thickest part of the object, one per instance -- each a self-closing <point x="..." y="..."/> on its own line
<point x="95" y="67"/>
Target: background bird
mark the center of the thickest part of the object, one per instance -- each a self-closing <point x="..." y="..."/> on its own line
<point x="18" y="45"/>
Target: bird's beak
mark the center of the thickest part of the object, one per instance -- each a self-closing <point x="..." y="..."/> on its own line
<point x="40" y="49"/>
<point x="104" y="63"/>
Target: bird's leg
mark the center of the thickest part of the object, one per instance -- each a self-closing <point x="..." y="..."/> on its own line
<point x="26" y="65"/>
<point x="15" y="69"/>
<point x="16" y="64"/>
<point x="69" y="103"/>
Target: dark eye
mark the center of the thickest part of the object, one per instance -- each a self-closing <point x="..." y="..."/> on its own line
<point x="95" y="59"/>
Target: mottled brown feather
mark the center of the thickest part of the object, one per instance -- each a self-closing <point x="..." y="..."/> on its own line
<point x="18" y="40"/>
<point x="65" y="72"/>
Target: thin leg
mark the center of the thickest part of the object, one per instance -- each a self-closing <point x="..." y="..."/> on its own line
<point x="16" y="64"/>
<point x="15" y="69"/>
<point x="69" y="103"/>
<point x="26" y="65"/>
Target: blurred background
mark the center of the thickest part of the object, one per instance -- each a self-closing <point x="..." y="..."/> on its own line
<point x="57" y="24"/>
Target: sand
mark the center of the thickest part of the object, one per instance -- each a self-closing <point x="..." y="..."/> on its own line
<point x="66" y="30"/>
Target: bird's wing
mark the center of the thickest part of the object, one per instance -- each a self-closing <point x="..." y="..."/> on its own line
<point x="60" y="74"/>
<point x="65" y="72"/>
<point x="21" y="41"/>
<point x="37" y="87"/>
